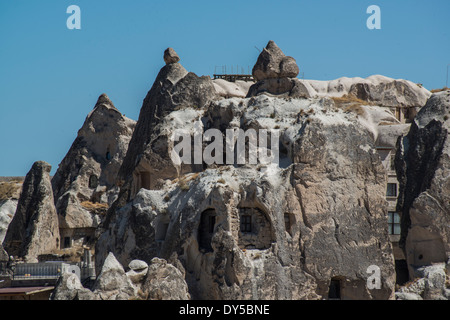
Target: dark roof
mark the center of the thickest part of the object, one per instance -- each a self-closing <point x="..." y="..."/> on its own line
<point x="23" y="290"/>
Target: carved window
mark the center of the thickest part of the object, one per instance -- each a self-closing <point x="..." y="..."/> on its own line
<point x="394" y="222"/>
<point x="67" y="242"/>
<point x="246" y="223"/>
<point x="93" y="181"/>
<point x="391" y="190"/>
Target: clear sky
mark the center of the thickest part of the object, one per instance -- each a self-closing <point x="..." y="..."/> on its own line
<point x="51" y="77"/>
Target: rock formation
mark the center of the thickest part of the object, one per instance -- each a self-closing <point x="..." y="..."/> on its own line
<point x="279" y="231"/>
<point x="148" y="161"/>
<point x="405" y="96"/>
<point x="34" y="229"/>
<point x="423" y="169"/>
<point x="273" y="64"/>
<point x="170" y="56"/>
<point x="429" y="284"/>
<point x="159" y="281"/>
<point x="7" y="210"/>
<point x="310" y="224"/>
<point x="84" y="184"/>
<point x="165" y="282"/>
<point x="276" y="74"/>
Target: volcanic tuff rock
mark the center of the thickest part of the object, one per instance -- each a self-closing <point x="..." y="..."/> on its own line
<point x="276" y="74"/>
<point x="7" y="210"/>
<point x="377" y="89"/>
<point x="286" y="230"/>
<point x="170" y="56"/>
<point x="429" y="284"/>
<point x="159" y="281"/>
<point x="149" y="150"/>
<point x="319" y="215"/>
<point x="69" y="287"/>
<point x="165" y="282"/>
<point x="423" y="170"/>
<point x="88" y="171"/>
<point x="34" y="229"/>
<point x="272" y="63"/>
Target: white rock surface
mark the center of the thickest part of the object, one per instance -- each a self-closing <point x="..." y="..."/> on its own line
<point x="7" y="211"/>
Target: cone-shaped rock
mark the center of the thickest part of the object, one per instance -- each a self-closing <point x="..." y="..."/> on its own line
<point x="84" y="183"/>
<point x="34" y="229"/>
<point x="273" y="63"/>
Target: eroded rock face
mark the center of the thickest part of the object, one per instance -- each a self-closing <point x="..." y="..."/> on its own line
<point x="86" y="176"/>
<point x="35" y="218"/>
<point x="7" y="211"/>
<point x="276" y="74"/>
<point x="165" y="282"/>
<point x="423" y="168"/>
<point x="148" y="156"/>
<point x="159" y="281"/>
<point x="113" y="283"/>
<point x="269" y="231"/>
<point x="170" y="56"/>
<point x="429" y="284"/>
<point x="378" y="89"/>
<point x="272" y="63"/>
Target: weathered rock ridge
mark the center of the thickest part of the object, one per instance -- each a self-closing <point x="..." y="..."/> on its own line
<point x="157" y="281"/>
<point x="423" y="169"/>
<point x="377" y="89"/>
<point x="87" y="174"/>
<point x="149" y="149"/>
<point x="34" y="229"/>
<point x="260" y="231"/>
<point x="306" y="226"/>
<point x="276" y="74"/>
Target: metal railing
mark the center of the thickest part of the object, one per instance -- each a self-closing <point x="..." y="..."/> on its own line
<point x="30" y="271"/>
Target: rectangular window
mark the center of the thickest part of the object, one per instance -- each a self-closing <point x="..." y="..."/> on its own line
<point x="391" y="190"/>
<point x="394" y="222"/>
<point x="246" y="223"/>
<point x="392" y="162"/>
<point x="67" y="242"/>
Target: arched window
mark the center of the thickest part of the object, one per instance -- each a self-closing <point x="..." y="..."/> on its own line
<point x="255" y="229"/>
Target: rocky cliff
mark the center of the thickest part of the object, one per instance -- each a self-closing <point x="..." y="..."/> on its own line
<point x="84" y="184"/>
<point x="34" y="229"/>
<point x="302" y="216"/>
<point x="264" y="231"/>
<point x="423" y="168"/>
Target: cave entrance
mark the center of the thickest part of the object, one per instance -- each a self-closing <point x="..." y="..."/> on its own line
<point x="145" y="179"/>
<point x="334" y="291"/>
<point x="206" y="229"/>
<point x="401" y="271"/>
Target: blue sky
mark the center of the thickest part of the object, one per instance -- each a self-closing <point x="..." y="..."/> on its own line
<point x="51" y="77"/>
